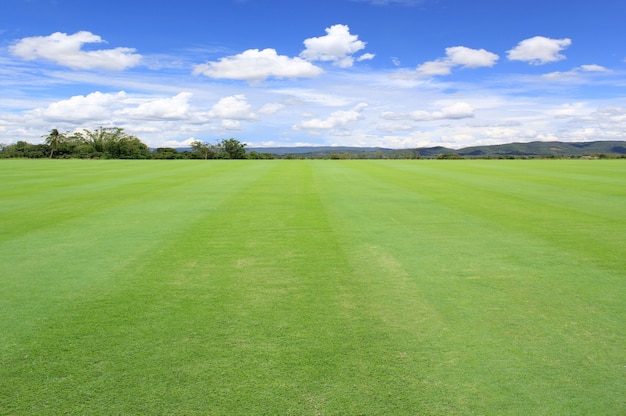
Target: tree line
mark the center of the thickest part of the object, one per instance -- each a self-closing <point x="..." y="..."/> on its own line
<point x="115" y="143"/>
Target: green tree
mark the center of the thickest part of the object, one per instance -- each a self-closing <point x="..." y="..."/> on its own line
<point x="101" y="138"/>
<point x="113" y="143"/>
<point x="234" y="148"/>
<point x="256" y="155"/>
<point x="24" y="149"/>
<point x="166" y="153"/>
<point x="205" y="150"/>
<point x="54" y="140"/>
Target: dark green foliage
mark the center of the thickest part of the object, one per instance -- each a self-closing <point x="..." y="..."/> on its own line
<point x="204" y="150"/>
<point x="256" y="155"/>
<point x="225" y="149"/>
<point x="167" y="153"/>
<point x="114" y="143"/>
<point x="102" y="143"/>
<point x="234" y="148"/>
<point x="450" y="156"/>
<point x="24" y="149"/>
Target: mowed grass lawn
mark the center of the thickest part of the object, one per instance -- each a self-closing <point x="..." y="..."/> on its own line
<point x="319" y="287"/>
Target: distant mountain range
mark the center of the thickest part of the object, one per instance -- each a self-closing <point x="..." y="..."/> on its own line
<point x="532" y="149"/>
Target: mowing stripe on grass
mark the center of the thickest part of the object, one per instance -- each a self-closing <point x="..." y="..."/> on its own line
<point x="521" y="291"/>
<point x="312" y="287"/>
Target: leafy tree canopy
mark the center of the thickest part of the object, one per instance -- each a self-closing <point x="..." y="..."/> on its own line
<point x="225" y="149"/>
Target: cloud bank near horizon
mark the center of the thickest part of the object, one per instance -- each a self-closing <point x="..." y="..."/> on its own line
<point x="328" y="90"/>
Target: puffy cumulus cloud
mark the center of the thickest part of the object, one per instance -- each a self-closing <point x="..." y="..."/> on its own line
<point x="66" y="50"/>
<point x="177" y="143"/>
<point x="337" y="46"/>
<point x="170" y="108"/>
<point x="454" y="111"/>
<point x="235" y="107"/>
<point x="337" y="119"/>
<point x="539" y="50"/>
<point x="95" y="106"/>
<point x="457" y="56"/>
<point x="256" y="65"/>
<point x="471" y="58"/>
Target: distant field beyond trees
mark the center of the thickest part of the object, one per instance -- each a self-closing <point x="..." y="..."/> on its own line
<point x="378" y="287"/>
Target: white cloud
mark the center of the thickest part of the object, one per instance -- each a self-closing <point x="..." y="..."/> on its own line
<point x="256" y="65"/>
<point x="296" y="96"/>
<point x="457" y="56"/>
<point x="66" y="50"/>
<point x="593" y="68"/>
<point x="159" y="107"/>
<point x="567" y="110"/>
<point x="94" y="106"/>
<point x="504" y="134"/>
<point x="230" y="125"/>
<point x="614" y="115"/>
<point x="433" y="68"/>
<point x="338" y="47"/>
<point x="471" y="58"/>
<point x="390" y="128"/>
<point x="271" y="108"/>
<point x="539" y="50"/>
<point x="235" y="107"/>
<point x="172" y="108"/>
<point x="337" y="119"/>
<point x="178" y="143"/>
<point x="454" y="111"/>
<point x="576" y="72"/>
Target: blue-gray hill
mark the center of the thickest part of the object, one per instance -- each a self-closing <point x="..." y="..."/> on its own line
<point x="532" y="149"/>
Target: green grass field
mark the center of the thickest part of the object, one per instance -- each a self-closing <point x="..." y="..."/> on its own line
<point x="313" y="287"/>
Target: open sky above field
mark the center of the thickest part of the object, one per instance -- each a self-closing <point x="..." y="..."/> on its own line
<point x="390" y="73"/>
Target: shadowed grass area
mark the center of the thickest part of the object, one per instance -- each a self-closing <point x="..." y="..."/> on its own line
<point x="312" y="287"/>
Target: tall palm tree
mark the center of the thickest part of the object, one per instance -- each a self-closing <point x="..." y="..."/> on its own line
<point x="54" y="139"/>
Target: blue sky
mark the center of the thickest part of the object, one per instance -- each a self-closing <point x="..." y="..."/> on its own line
<point x="388" y="73"/>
